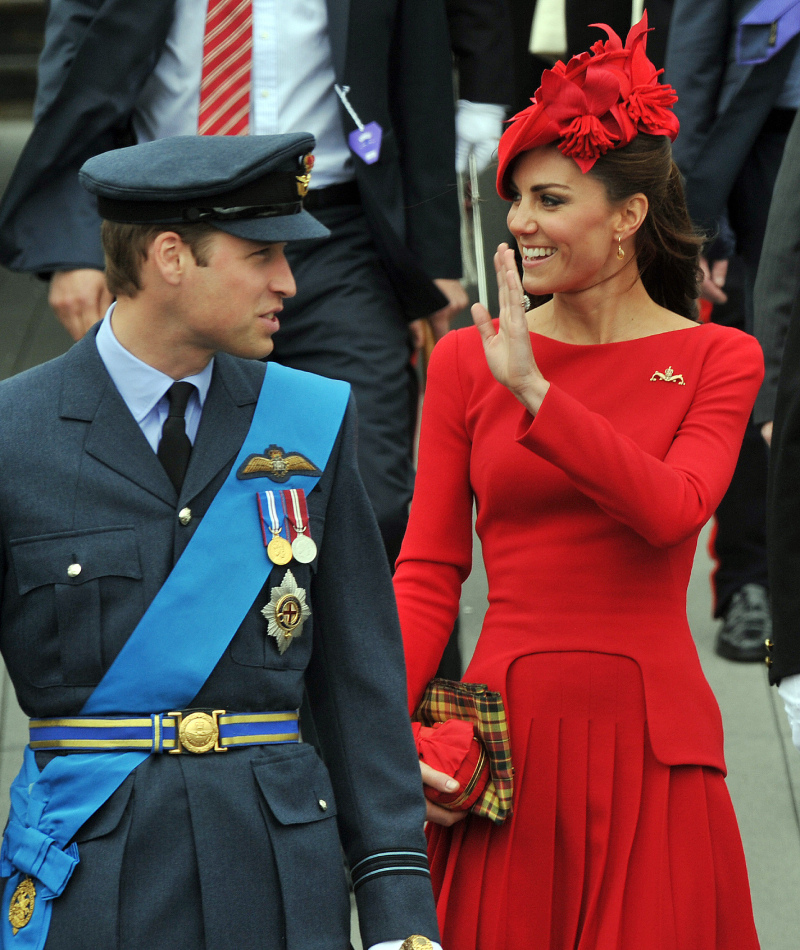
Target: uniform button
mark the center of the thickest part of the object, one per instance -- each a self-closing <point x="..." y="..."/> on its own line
<point x="185" y="516"/>
<point x="73" y="570"/>
<point x="265" y="94"/>
<point x="323" y="804"/>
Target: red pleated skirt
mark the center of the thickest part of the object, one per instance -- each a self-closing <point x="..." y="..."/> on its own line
<point x="607" y="848"/>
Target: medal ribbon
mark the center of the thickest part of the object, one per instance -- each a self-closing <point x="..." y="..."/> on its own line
<point x="276" y="525"/>
<point x="295" y="498"/>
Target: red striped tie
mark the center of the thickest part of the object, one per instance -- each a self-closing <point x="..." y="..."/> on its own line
<point x="227" y="51"/>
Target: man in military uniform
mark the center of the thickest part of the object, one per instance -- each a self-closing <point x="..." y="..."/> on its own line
<point x="186" y="545"/>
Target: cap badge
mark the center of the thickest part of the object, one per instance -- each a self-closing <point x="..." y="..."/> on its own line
<point x="303" y="180"/>
<point x="286" y="612"/>
<point x="668" y="377"/>
<point x="277" y="465"/>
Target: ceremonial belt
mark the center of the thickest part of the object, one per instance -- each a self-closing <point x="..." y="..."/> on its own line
<point x="167" y="658"/>
<point x="192" y="730"/>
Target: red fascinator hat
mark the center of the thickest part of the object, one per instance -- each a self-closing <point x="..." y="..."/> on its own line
<point x="599" y="100"/>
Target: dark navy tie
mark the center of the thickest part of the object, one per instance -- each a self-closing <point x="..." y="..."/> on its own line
<point x="175" y="448"/>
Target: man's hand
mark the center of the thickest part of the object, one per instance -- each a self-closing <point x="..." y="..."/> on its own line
<point x="79" y="298"/>
<point x="458" y="299"/>
<point x="714" y="278"/>
<point x="766" y="433"/>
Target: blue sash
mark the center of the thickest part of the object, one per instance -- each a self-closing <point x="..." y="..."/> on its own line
<point x="172" y="651"/>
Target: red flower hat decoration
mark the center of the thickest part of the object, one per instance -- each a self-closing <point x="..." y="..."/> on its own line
<point x="597" y="101"/>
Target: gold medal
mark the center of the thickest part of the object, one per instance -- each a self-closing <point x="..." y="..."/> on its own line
<point x="20" y="910"/>
<point x="286" y="612"/>
<point x="279" y="551"/>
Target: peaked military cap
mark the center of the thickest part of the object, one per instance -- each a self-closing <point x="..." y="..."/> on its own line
<point x="251" y="186"/>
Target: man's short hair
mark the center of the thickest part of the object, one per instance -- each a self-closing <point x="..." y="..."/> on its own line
<point x="126" y="247"/>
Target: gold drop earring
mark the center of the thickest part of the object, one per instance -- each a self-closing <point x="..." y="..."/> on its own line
<point x="620" y="252"/>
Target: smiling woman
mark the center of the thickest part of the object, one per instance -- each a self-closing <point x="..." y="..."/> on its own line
<point x="596" y="435"/>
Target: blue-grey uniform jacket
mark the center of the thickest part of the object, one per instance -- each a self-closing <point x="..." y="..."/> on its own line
<point x="234" y="850"/>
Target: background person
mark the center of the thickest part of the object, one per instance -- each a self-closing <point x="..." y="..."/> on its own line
<point x="735" y="114"/>
<point x="119" y="73"/>
<point x="590" y="497"/>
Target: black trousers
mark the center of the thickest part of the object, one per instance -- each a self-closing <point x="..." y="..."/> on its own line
<point x="740" y="543"/>
<point x="346" y="323"/>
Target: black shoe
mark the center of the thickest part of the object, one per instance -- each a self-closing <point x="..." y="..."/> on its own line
<point x="746" y="624"/>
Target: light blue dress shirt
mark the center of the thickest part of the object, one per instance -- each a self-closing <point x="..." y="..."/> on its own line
<point x="143" y="388"/>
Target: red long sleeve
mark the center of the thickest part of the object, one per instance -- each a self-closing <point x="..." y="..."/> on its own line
<point x="588" y="514"/>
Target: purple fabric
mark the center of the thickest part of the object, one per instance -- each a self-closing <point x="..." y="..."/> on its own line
<point x="766" y="29"/>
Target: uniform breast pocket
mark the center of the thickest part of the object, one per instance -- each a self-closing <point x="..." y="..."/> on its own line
<point x="277" y="632"/>
<point x="81" y="596"/>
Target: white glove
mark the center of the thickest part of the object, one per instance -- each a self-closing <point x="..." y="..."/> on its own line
<point x="479" y="126"/>
<point x="789" y="691"/>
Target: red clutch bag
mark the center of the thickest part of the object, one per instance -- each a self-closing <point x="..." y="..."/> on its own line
<point x="452" y="747"/>
<point x="483" y="729"/>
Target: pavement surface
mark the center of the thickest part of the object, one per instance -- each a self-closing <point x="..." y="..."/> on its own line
<point x="764" y="767"/>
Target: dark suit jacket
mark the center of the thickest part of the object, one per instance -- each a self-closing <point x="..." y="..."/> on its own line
<point x="80" y="483"/>
<point x="777" y="299"/>
<point x="393" y="54"/>
<point x="777" y="287"/>
<point x="481" y="39"/>
<point x="722" y="106"/>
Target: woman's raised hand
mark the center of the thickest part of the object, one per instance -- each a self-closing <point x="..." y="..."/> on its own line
<point x="508" y="350"/>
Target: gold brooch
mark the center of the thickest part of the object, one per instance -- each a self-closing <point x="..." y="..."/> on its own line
<point x="277" y="465"/>
<point x="286" y="612"/>
<point x="303" y="180"/>
<point x="668" y="377"/>
<point x="20" y="910"/>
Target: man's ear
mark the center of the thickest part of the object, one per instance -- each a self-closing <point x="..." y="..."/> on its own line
<point x="170" y="256"/>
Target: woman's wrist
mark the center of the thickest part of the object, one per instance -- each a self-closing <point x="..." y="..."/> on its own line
<point x="532" y="394"/>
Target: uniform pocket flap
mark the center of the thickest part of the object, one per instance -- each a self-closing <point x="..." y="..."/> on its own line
<point x="75" y="557"/>
<point x="107" y="818"/>
<point x="297" y="789"/>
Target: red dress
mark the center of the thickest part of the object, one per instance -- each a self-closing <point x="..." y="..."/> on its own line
<point x="623" y="836"/>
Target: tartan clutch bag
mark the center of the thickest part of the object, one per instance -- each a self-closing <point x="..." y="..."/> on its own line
<point x="473" y="702"/>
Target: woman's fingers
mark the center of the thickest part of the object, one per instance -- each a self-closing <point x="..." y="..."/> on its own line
<point x="438" y="780"/>
<point x="442" y="783"/>
<point x="483" y="321"/>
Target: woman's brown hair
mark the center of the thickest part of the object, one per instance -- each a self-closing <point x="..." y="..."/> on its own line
<point x="667" y="244"/>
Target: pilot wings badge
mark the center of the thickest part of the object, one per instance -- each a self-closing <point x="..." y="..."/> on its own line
<point x="277" y="465"/>
<point x="668" y="377"/>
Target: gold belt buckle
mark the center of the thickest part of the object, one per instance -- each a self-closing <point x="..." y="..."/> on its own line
<point x="197" y="732"/>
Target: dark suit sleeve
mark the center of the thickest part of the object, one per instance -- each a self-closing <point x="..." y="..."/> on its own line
<point x="424" y="120"/>
<point x="697" y="56"/>
<point x="98" y="55"/>
<point x="783" y="511"/>
<point x="356" y="687"/>
<point x="777" y="287"/>
<point x="480" y="37"/>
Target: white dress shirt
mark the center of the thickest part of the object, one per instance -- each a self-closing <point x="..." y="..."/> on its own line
<point x="292" y="81"/>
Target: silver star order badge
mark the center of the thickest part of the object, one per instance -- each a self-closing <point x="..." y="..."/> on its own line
<point x="286" y="612"/>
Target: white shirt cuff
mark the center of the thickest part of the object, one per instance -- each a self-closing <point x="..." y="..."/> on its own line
<point x="396" y="944"/>
<point x="789" y="691"/>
